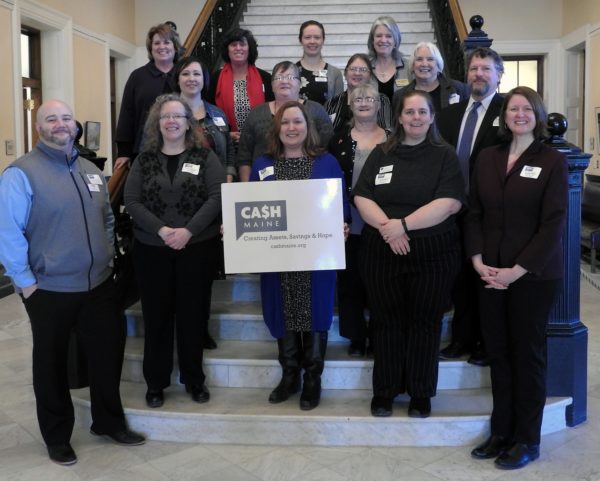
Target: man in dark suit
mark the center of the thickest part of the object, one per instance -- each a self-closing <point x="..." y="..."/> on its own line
<point x="471" y="126"/>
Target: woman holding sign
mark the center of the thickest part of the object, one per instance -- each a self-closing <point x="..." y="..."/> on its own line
<point x="173" y="194"/>
<point x="408" y="194"/>
<point x="298" y="306"/>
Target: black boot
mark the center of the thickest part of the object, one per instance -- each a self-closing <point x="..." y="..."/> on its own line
<point x="289" y="358"/>
<point x="314" y="347"/>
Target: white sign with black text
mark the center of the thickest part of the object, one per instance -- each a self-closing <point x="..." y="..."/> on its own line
<point x="277" y="226"/>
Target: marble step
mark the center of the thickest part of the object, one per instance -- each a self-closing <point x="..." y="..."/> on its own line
<point x="265" y="19"/>
<point x="294" y="50"/>
<point x="243" y="416"/>
<point x="355" y="28"/>
<point x="253" y="364"/>
<point x="336" y="40"/>
<point x="242" y="321"/>
<point x="316" y="11"/>
<point x="309" y="3"/>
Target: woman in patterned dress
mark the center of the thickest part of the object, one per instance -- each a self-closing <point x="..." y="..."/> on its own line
<point x="239" y="86"/>
<point x="320" y="81"/>
<point x="298" y="306"/>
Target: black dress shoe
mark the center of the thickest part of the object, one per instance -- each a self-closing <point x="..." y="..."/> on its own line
<point x="454" y="350"/>
<point x="357" y="348"/>
<point x="62" y="454"/>
<point x="492" y="447"/>
<point x="199" y="392"/>
<point x="208" y="342"/>
<point x="419" y="407"/>
<point x="479" y="357"/>
<point x="155" y="398"/>
<point x="381" y="407"/>
<point x="124" y="437"/>
<point x="519" y="456"/>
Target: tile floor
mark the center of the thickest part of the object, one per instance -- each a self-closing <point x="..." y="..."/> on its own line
<point x="571" y="455"/>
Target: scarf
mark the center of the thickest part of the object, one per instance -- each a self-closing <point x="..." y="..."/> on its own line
<point x="224" y="93"/>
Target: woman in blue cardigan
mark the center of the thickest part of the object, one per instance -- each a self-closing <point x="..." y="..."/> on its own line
<point x="301" y="333"/>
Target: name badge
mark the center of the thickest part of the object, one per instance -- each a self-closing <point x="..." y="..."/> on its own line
<point x="401" y="82"/>
<point x="266" y="172"/>
<point x="94" y="179"/>
<point x="193" y="169"/>
<point x="219" y="122"/>
<point x="383" y="178"/>
<point x="386" y="168"/>
<point x="320" y="79"/>
<point x="93" y="187"/>
<point x="496" y="122"/>
<point x="454" y="99"/>
<point x="531" y="172"/>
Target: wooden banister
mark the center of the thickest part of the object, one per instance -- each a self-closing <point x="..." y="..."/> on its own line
<point x="459" y="20"/>
<point x="199" y="24"/>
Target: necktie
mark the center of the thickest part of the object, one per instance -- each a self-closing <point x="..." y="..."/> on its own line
<point x="464" y="148"/>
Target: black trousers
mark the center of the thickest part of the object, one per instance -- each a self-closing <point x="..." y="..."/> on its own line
<point x="175" y="293"/>
<point x="514" y="330"/>
<point x="466" y="327"/>
<point x="101" y="332"/>
<point x="408" y="296"/>
<point x="352" y="294"/>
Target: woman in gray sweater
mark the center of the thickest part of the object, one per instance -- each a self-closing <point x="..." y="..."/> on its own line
<point x="173" y="194"/>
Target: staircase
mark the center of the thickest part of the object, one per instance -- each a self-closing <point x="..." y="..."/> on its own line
<point x="244" y="369"/>
<point x="275" y="25"/>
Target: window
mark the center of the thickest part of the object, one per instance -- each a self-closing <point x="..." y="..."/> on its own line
<point x="31" y="70"/>
<point x="523" y="71"/>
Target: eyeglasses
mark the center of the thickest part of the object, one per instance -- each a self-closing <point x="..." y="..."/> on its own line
<point x="173" y="117"/>
<point x="279" y="78"/>
<point x="358" y="69"/>
<point x="368" y="100"/>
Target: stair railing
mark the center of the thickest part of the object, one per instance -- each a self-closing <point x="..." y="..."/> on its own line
<point x="450" y="31"/>
<point x="216" y="18"/>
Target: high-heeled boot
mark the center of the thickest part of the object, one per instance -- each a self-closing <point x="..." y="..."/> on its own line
<point x="314" y="346"/>
<point x="289" y="358"/>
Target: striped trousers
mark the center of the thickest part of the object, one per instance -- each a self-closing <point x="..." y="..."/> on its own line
<point x="408" y="296"/>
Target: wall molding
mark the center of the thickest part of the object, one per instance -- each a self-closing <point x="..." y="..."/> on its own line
<point x="9" y="4"/>
<point x="88" y="34"/>
<point x="554" y="75"/>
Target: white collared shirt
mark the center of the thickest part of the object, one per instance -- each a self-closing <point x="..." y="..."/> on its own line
<point x="485" y="103"/>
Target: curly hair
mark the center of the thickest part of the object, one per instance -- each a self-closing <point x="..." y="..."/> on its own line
<point x="153" y="139"/>
<point x="165" y="31"/>
<point x="237" y="35"/>
<point x="276" y="149"/>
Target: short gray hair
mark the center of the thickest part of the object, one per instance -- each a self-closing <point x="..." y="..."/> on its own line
<point x="435" y="53"/>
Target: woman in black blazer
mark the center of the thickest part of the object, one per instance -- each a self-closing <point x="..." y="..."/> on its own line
<point x="518" y="205"/>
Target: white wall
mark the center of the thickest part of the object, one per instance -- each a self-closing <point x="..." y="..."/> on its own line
<point x="152" y="12"/>
<point x="516" y="19"/>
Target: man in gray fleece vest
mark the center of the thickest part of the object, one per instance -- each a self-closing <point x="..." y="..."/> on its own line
<point x="56" y="238"/>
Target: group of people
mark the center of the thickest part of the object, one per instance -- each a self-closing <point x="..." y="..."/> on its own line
<point x="454" y="198"/>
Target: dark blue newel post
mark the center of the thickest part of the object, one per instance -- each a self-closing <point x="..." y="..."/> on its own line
<point x="476" y="37"/>
<point x="566" y="334"/>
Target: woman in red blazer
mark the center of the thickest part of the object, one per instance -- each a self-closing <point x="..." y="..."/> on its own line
<point x="518" y="205"/>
